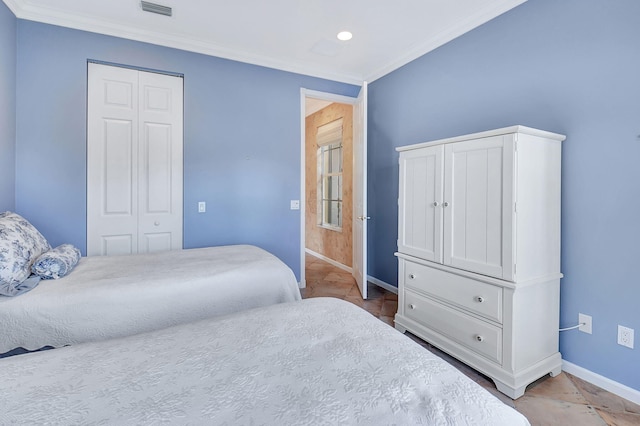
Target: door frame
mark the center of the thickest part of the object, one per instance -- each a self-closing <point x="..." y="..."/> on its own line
<point x="325" y="96"/>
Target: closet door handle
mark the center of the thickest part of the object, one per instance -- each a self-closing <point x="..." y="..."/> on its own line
<point x="445" y="204"/>
<point x="435" y="204"/>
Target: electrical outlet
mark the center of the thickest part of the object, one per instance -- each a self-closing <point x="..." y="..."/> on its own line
<point x="625" y="336"/>
<point x="586" y="320"/>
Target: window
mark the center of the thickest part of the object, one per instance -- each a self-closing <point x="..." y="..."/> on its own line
<point x="329" y="140"/>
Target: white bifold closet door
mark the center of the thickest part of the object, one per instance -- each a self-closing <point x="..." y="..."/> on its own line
<point x="134" y="161"/>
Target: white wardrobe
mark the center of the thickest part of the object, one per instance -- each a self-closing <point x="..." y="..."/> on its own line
<point x="134" y="161"/>
<point x="479" y="251"/>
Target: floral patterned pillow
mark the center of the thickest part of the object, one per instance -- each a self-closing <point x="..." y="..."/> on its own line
<point x="20" y="246"/>
<point x="56" y="263"/>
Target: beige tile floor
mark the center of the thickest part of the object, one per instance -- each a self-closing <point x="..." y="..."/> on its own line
<point x="561" y="400"/>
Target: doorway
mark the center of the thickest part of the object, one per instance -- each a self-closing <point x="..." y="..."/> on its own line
<point x="329" y="182"/>
<point x="333" y="189"/>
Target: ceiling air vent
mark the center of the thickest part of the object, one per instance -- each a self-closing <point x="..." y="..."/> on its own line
<point x="155" y="8"/>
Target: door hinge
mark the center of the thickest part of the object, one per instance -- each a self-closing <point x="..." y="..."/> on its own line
<point x="515" y="207"/>
<point x="514" y="269"/>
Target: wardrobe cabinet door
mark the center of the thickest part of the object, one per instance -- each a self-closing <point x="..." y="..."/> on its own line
<point x="420" y="203"/>
<point x="477" y="194"/>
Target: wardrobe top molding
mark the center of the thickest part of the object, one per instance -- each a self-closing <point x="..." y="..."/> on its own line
<point x="497" y="132"/>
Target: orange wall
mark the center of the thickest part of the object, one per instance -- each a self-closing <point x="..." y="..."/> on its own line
<point x="333" y="244"/>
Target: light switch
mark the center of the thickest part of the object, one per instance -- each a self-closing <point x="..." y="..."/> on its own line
<point x="202" y="207"/>
<point x="295" y="204"/>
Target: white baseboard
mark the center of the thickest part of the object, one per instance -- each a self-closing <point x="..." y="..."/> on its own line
<point x="382" y="284"/>
<point x="619" y="389"/>
<point x="331" y="261"/>
<point x="373" y="280"/>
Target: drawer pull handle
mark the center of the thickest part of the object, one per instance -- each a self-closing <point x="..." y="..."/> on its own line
<point x="412" y="306"/>
<point x="479" y="338"/>
<point x="479" y="299"/>
<point x="412" y="276"/>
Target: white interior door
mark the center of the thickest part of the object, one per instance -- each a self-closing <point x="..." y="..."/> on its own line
<point x="360" y="191"/>
<point x="160" y="167"/>
<point x="134" y="161"/>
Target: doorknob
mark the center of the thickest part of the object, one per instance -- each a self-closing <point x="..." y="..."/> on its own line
<point x="364" y="217"/>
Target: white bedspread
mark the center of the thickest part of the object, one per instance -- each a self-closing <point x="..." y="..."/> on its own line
<point x="116" y="296"/>
<point x="315" y="362"/>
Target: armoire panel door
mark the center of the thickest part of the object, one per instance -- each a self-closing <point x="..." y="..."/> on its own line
<point x="477" y="235"/>
<point x="134" y="161"/>
<point x="420" y="220"/>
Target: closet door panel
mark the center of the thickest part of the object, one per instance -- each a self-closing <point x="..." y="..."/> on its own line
<point x="161" y="151"/>
<point x="112" y="158"/>
<point x="156" y="169"/>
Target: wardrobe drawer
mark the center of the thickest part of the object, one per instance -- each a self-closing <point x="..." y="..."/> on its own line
<point x="482" y="338"/>
<point x="475" y="296"/>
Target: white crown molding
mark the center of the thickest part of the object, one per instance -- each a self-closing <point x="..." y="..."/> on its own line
<point x="605" y="383"/>
<point x="14" y="5"/>
<point x="53" y="17"/>
<point x="27" y="11"/>
<point x="464" y="26"/>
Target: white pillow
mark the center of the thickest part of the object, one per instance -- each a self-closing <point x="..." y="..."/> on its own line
<point x="57" y="262"/>
<point x="20" y="246"/>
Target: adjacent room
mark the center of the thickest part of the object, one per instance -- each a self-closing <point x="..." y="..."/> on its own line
<point x="187" y="189"/>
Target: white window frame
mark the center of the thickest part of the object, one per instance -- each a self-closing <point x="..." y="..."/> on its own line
<point x="329" y="138"/>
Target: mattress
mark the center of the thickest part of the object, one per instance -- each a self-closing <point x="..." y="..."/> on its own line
<point x="315" y="362"/>
<point x="114" y="296"/>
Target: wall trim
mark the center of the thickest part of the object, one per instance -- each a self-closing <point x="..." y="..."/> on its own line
<point x="328" y="260"/>
<point x="605" y="383"/>
<point x="372" y="280"/>
<point x="483" y="16"/>
<point x="27" y="11"/>
<point x="382" y="284"/>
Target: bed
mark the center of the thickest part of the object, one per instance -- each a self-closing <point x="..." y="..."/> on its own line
<point x="316" y="361"/>
<point x="114" y="296"/>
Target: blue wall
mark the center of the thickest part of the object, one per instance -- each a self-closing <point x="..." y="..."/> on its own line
<point x="7" y="108"/>
<point x="242" y="139"/>
<point x="571" y="67"/>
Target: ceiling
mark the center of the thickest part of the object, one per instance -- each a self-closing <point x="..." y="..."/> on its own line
<point x="290" y="35"/>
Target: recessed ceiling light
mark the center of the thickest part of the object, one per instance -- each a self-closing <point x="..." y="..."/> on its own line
<point x="344" y="35"/>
